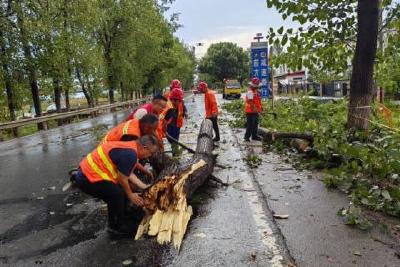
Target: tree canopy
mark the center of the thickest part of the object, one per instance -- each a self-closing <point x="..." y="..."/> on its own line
<point x="225" y="60"/>
<point x="59" y="47"/>
<point x="333" y="36"/>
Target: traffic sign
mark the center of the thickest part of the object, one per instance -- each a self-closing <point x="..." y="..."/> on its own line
<point x="259" y="65"/>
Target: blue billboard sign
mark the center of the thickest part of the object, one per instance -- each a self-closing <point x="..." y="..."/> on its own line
<point x="259" y="66"/>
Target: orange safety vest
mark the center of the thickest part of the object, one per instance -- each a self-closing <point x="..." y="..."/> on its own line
<point x="163" y="123"/>
<point x="210" y="103"/>
<point x="98" y="166"/>
<point x="179" y="120"/>
<point x="256" y="101"/>
<point x="130" y="127"/>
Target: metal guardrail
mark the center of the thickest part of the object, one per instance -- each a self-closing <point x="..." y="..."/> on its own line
<point x="64" y="115"/>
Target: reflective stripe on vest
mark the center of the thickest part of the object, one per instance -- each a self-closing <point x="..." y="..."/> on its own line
<point x="97" y="168"/>
<point x="97" y="165"/>
<point x="126" y="127"/>
<point x="130" y="127"/>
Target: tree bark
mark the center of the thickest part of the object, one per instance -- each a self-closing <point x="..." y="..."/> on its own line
<point x="57" y="94"/>
<point x="166" y="199"/>
<point x="30" y="67"/>
<point x="57" y="98"/>
<point x="271" y="136"/>
<point x="362" y="84"/>
<point x="88" y="97"/>
<point x="166" y="166"/>
<point x="8" y="83"/>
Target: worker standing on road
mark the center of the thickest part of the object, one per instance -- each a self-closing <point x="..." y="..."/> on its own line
<point x="211" y="107"/>
<point x="253" y="109"/>
<point x="171" y="119"/>
<point x="106" y="173"/>
<point x="156" y="106"/>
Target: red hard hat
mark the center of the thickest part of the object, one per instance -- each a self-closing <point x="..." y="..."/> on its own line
<point x="175" y="84"/>
<point x="177" y="94"/>
<point x="203" y="86"/>
<point x="255" y="82"/>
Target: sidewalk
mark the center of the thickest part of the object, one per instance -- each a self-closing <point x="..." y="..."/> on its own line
<point x="314" y="234"/>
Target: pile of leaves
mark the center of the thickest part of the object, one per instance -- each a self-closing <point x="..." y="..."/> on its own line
<point x="364" y="165"/>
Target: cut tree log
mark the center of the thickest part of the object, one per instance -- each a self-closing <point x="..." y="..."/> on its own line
<point x="165" y="201"/>
<point x="271" y="136"/>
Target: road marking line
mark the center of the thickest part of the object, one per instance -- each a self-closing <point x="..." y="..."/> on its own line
<point x="259" y="215"/>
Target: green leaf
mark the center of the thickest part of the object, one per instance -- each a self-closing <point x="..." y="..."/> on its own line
<point x="386" y="195"/>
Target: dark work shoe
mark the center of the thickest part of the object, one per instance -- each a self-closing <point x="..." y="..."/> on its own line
<point x="247" y="139"/>
<point x="257" y="138"/>
<point x="216" y="139"/>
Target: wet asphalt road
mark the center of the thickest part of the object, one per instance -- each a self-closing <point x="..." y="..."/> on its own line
<point x="232" y="226"/>
<point x="43" y="226"/>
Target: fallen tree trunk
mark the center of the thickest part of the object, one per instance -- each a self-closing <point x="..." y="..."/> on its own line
<point x="271" y="136"/>
<point x="165" y="200"/>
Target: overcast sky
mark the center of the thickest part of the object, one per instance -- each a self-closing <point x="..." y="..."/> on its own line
<point x="212" y="21"/>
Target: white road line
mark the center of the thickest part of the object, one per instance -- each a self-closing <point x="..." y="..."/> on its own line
<point x="258" y="212"/>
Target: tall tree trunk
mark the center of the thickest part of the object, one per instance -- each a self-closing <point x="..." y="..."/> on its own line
<point x="57" y="97"/>
<point x="8" y="82"/>
<point x="68" y="84"/>
<point x="123" y="91"/>
<point x="380" y="89"/>
<point x="30" y="67"/>
<point x="84" y="90"/>
<point x="110" y="81"/>
<point x="90" y="92"/>
<point x="362" y="84"/>
<point x="106" y="40"/>
<point x="57" y="94"/>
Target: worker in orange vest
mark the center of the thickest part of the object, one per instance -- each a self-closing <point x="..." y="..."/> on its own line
<point x="106" y="173"/>
<point x="156" y="106"/>
<point x="253" y="109"/>
<point x="132" y="130"/>
<point x="171" y="119"/>
<point x="211" y="107"/>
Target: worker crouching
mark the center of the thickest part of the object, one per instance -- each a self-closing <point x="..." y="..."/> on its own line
<point x="107" y="173"/>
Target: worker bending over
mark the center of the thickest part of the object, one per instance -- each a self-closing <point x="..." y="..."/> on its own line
<point x="132" y="130"/>
<point x="156" y="106"/>
<point x="211" y="107"/>
<point x="105" y="173"/>
<point x="253" y="109"/>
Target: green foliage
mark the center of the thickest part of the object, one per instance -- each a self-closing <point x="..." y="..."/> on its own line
<point x="367" y="166"/>
<point x="387" y="71"/>
<point x="225" y="61"/>
<point x="126" y="46"/>
<point x="354" y="217"/>
<point x="326" y="41"/>
<point x="253" y="161"/>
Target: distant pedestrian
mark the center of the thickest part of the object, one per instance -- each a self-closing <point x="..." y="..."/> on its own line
<point x="211" y="107"/>
<point x="253" y="109"/>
